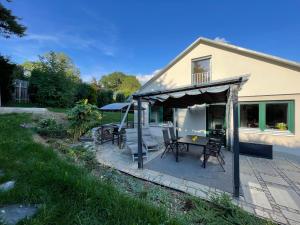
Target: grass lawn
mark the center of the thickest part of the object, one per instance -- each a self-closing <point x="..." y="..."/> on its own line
<point x="67" y="193"/>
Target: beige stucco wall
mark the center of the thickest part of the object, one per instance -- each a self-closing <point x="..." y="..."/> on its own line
<point x="267" y="81"/>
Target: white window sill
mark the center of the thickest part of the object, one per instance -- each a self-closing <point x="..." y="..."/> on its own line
<point x="267" y="131"/>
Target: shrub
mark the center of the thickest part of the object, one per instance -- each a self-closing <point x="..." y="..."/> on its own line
<point x="120" y="97"/>
<point x="86" y="91"/>
<point x="82" y="117"/>
<point x="49" y="128"/>
<point x="104" y="97"/>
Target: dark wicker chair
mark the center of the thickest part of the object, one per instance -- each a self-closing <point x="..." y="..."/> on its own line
<point x="213" y="148"/>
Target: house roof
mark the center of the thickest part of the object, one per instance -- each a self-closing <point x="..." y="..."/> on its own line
<point x="228" y="47"/>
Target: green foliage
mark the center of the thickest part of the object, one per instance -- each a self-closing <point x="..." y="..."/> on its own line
<point x="120" y="97"/>
<point x="6" y="79"/>
<point x="67" y="194"/>
<point x="53" y="81"/>
<point x="9" y="24"/>
<point x="220" y="211"/>
<point x="49" y="128"/>
<point x="104" y="97"/>
<point x="83" y="117"/>
<point x="120" y="82"/>
<point x="86" y="91"/>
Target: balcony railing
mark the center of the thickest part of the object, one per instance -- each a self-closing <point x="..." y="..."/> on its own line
<point x="199" y="78"/>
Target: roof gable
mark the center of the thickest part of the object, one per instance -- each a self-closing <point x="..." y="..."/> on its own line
<point x="227" y="47"/>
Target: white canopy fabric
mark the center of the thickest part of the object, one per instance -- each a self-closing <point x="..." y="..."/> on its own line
<point x="184" y="99"/>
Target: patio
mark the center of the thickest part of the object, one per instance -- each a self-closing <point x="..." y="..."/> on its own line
<point x="270" y="188"/>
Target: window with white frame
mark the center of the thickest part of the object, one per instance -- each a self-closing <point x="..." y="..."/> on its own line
<point x="201" y="71"/>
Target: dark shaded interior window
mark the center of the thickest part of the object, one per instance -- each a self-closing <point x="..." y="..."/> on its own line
<point x="276" y="116"/>
<point x="168" y="114"/>
<point x="154" y="114"/>
<point x="216" y="117"/>
<point x="249" y="114"/>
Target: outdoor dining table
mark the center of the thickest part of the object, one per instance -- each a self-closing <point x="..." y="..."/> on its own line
<point x="193" y="140"/>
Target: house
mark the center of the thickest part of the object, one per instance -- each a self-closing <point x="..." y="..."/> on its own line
<point x="269" y="102"/>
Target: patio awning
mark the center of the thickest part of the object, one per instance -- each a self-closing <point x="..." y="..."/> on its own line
<point x="118" y="106"/>
<point x="184" y="99"/>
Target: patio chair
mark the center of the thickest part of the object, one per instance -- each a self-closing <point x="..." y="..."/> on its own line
<point x="174" y="139"/>
<point x="132" y="144"/>
<point x="149" y="141"/>
<point x="213" y="148"/>
<point x="169" y="145"/>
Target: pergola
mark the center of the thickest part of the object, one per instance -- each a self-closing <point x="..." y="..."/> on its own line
<point x="220" y="91"/>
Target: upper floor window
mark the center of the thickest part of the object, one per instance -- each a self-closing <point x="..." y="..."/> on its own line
<point x="201" y="71"/>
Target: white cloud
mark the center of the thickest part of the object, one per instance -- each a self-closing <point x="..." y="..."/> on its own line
<point x="144" y="78"/>
<point x="221" y="39"/>
<point x="40" y="37"/>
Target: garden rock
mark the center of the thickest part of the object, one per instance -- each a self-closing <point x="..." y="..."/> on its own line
<point x="7" y="186"/>
<point x="26" y="125"/>
<point x="12" y="214"/>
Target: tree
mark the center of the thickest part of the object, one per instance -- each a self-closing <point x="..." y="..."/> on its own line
<point x="86" y="91"/>
<point x="120" y="97"/>
<point x="6" y="79"/>
<point x="120" y="82"/>
<point x="54" y="80"/>
<point x="104" y="97"/>
<point x="9" y="23"/>
<point x="8" y="26"/>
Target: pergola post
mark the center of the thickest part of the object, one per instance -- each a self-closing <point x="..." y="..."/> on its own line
<point x="139" y="131"/>
<point x="236" y="143"/>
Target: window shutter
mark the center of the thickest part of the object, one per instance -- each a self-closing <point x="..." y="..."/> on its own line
<point x="262" y="116"/>
<point x="291" y="116"/>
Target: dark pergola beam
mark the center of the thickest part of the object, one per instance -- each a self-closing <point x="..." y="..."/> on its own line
<point x="236" y="143"/>
<point x="188" y="88"/>
<point x="139" y="132"/>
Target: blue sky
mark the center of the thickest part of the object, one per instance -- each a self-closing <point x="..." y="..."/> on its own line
<point x="139" y="37"/>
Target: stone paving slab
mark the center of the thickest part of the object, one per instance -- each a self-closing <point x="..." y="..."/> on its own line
<point x="269" y="186"/>
<point x="12" y="214"/>
<point x="7" y="186"/>
<point x="285" y="197"/>
<point x="294" y="176"/>
<point x="256" y="197"/>
<point x="249" y="180"/>
<point x="274" y="179"/>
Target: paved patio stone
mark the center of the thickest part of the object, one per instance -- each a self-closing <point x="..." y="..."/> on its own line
<point x="7" y="186"/>
<point x="12" y="214"/>
<point x="249" y="180"/>
<point x="285" y="196"/>
<point x="294" y="176"/>
<point x="256" y="197"/>
<point x="263" y="167"/>
<point x="274" y="179"/>
<point x="286" y="165"/>
<point x="270" y="187"/>
<point x="279" y="218"/>
<point x="262" y="213"/>
<point x="292" y="222"/>
<point x="291" y="215"/>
